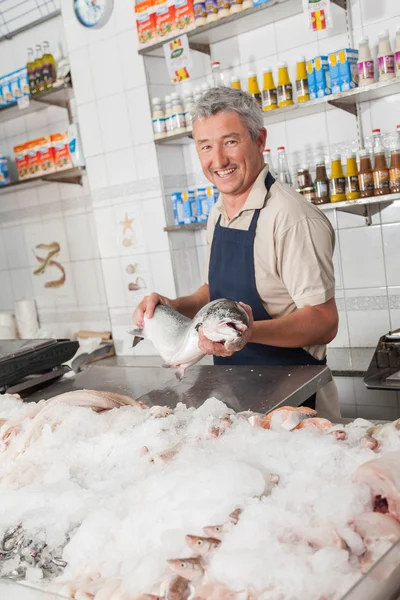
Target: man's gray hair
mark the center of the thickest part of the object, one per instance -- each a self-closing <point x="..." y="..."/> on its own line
<point x="224" y="99"/>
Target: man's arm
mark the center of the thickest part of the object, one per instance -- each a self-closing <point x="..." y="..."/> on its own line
<point x="187" y="305"/>
<point x="307" y="326"/>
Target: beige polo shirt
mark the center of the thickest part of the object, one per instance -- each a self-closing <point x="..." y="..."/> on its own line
<point x="293" y="249"/>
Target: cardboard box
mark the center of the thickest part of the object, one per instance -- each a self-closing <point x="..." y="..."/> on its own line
<point x="146" y="22"/>
<point x="312" y="90"/>
<point x="184" y="14"/>
<point x="165" y="18"/>
<point x="62" y="157"/>
<point x="322" y="77"/>
<point x="333" y="60"/>
<point x="348" y="69"/>
<point x="32" y="159"/>
<point x="45" y="155"/>
<point x="21" y="160"/>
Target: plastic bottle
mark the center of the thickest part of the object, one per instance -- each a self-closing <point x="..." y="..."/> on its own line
<point x="385" y="57"/>
<point x="268" y="161"/>
<point x="75" y="145"/>
<point x="394" y="171"/>
<point x="381" y="171"/>
<point x="218" y="77"/>
<point x="337" y="180"/>
<point x="212" y="10"/>
<point x="283" y="173"/>
<point x="30" y="68"/>
<point x="301" y="81"/>
<point x="269" y="95"/>
<point x="158" y="118"/>
<point x="321" y="184"/>
<point x="253" y="88"/>
<point x="178" y="114"/>
<point x="235" y="83"/>
<point x="177" y="207"/>
<point x="365" y="64"/>
<point x="224" y="8"/>
<point x="188" y="107"/>
<point x="284" y="89"/>
<point x="397" y="51"/>
<point x="365" y="175"/>
<point x="236" y="6"/>
<point x="247" y="4"/>
<point x="38" y="69"/>
<point x="351" y="185"/>
<point x="49" y="66"/>
<point x="169" y="122"/>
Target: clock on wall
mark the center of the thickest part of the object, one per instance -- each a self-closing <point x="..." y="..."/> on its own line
<point x="93" y="13"/>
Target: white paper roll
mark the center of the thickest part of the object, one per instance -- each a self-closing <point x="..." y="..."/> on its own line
<point x="8" y="329"/>
<point x="27" y="320"/>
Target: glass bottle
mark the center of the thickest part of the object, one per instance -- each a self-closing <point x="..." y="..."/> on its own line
<point x="365" y="64"/>
<point x="301" y="81"/>
<point x="351" y="185"/>
<point x="253" y="88"/>
<point x="385" y="57"/>
<point x="269" y="95"/>
<point x="321" y="184"/>
<point x="284" y="89"/>
<point x="394" y="171"/>
<point x="337" y="180"/>
<point x="49" y="67"/>
<point x="217" y="76"/>
<point x="283" y="174"/>
<point x="381" y="174"/>
<point x="268" y="161"/>
<point x="365" y="175"/>
<point x="38" y="69"/>
<point x="30" y="67"/>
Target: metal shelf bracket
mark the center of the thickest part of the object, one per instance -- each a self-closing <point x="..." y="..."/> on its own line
<point x="349" y="108"/>
<point x="341" y="3"/>
<point x="365" y="210"/>
<point x="203" y="48"/>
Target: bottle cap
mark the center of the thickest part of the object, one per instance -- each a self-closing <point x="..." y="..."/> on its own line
<point x="301" y="59"/>
<point x="268" y="69"/>
<point x="156" y="101"/>
<point x="398" y="127"/>
<point x="376" y="131"/>
<point x="235" y="78"/>
<point x="336" y="157"/>
<point x="216" y="63"/>
<point x="252" y="74"/>
<point x="351" y="155"/>
<point x="281" y="148"/>
<point x="267" y="150"/>
<point x="168" y="98"/>
<point x="364" y="40"/>
<point x="384" y="33"/>
<point x="363" y="152"/>
<point x="282" y="64"/>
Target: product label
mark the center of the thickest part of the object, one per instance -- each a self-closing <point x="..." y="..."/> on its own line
<point x="200" y="11"/>
<point x="309" y="194"/>
<point x="397" y="60"/>
<point x="338" y="186"/>
<point x="223" y="5"/>
<point x="212" y="7"/>
<point x="159" y="126"/>
<point x="352" y="184"/>
<point x="169" y="124"/>
<point x="184" y="13"/>
<point x="165" y="18"/>
<point x="366" y="70"/>
<point x="145" y="22"/>
<point x="302" y="88"/>
<point x="394" y="175"/>
<point x="381" y="180"/>
<point x="386" y="64"/>
<point x="321" y="189"/>
<point x="32" y="80"/>
<point x="269" y="98"/>
<point x="62" y="157"/>
<point x="366" y="182"/>
<point x="178" y="121"/>
<point x="284" y="93"/>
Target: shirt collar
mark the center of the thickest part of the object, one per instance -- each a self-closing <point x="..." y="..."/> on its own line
<point x="255" y="199"/>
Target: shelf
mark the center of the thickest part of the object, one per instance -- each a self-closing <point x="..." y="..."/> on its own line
<point x="59" y="96"/>
<point x="180" y="138"/>
<point x="200" y="38"/>
<point x="349" y="204"/>
<point x="72" y="176"/>
<point x="191" y="227"/>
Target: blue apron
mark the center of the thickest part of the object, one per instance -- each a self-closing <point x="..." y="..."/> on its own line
<point x="232" y="275"/>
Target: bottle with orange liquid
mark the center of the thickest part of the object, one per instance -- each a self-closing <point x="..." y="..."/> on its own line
<point x="338" y="182"/>
<point x="284" y="89"/>
<point x="352" y="185"/>
<point x="269" y="96"/>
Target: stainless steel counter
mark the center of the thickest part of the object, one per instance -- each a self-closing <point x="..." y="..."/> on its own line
<point x="259" y="389"/>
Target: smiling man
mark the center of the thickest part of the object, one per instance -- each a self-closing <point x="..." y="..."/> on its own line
<point x="267" y="248"/>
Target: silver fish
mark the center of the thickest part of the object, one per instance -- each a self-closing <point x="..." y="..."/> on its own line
<point x="176" y="337"/>
<point x="188" y="568"/>
<point x="201" y="545"/>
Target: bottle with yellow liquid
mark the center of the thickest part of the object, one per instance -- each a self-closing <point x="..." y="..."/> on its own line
<point x="253" y="89"/>
<point x="30" y="69"/>
<point x="269" y="96"/>
<point x="235" y="83"/>
<point x="38" y="64"/>
<point x="301" y="81"/>
<point x="284" y="89"/>
<point x="352" y="186"/>
<point x="49" y="67"/>
<point x="338" y="184"/>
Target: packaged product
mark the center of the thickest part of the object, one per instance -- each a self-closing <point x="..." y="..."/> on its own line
<point x="184" y="13"/>
<point x="62" y="156"/>
<point x="200" y="13"/>
<point x="322" y="77"/>
<point x="45" y="156"/>
<point x="165" y="17"/>
<point x="177" y="207"/>
<point x="4" y="174"/>
<point x="311" y="79"/>
<point x="145" y="22"/>
<point x="33" y="159"/>
<point x="333" y="60"/>
<point x="21" y="160"/>
<point x="6" y="94"/>
<point x="348" y="70"/>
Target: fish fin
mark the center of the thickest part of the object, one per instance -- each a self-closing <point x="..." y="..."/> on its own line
<point x="166" y="366"/>
<point x="137" y="336"/>
<point x="180" y="372"/>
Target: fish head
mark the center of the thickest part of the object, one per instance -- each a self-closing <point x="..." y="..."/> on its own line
<point x="201" y="545"/>
<point x="226" y="326"/>
<point x="188" y="568"/>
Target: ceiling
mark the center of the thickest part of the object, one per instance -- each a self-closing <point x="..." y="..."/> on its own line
<point x="18" y="15"/>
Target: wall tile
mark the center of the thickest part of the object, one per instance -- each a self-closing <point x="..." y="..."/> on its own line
<point x="129" y="221"/>
<point x="107" y="232"/>
<point x="97" y="172"/>
<point x="153" y="220"/>
<point x="6" y="291"/>
<point x="291" y="33"/>
<point x="187" y="271"/>
<point x="163" y="277"/>
<point x="82" y="237"/>
<point x="106" y="68"/>
<point x="140" y="116"/>
<point x="372" y="12"/>
<point x="146" y="161"/>
<point x="394" y="307"/>
<point x="227" y="52"/>
<point x="345" y="387"/>
<point x="137" y="277"/>
<point x="3" y="253"/>
<point x="113" y="114"/>
<point x="89" y="125"/>
<point x="361" y="247"/>
<point x="367" y="306"/>
<point x="391" y="213"/>
<point x="21" y="281"/>
<point x="46" y="233"/>
<point x="14" y="243"/>
<point x="342" y="339"/>
<point x="385" y="113"/>
<point x="114" y="282"/>
<point x="86" y="283"/>
<point x="257" y="44"/>
<point x="391" y="245"/>
<point x="347" y="220"/>
<point x="306" y="135"/>
<point x="276" y="136"/>
<point x="125" y="18"/>
<point x="82" y="73"/>
<point x="132" y="63"/>
<point x="342" y="127"/>
<point x="120" y="166"/>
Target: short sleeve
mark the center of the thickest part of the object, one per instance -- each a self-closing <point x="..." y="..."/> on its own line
<point x="212" y="219"/>
<point x="305" y="261"/>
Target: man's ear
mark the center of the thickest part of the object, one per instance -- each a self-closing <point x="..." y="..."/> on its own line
<point x="262" y="139"/>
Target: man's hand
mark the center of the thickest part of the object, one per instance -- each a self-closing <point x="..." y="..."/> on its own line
<point x="219" y="348"/>
<point x="147" y="307"/>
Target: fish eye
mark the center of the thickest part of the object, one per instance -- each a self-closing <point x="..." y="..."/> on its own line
<point x="218" y="528"/>
<point x="199" y="543"/>
<point x="183" y="565"/>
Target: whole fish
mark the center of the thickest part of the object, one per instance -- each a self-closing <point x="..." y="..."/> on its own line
<point x="188" y="568"/>
<point x="201" y="545"/>
<point x="176" y="337"/>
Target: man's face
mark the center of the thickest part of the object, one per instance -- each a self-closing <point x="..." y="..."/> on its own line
<point x="230" y="159"/>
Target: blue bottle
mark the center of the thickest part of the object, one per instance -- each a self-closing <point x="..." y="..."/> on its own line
<point x="177" y="206"/>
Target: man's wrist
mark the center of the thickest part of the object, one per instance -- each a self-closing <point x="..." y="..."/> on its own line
<point x="258" y="332"/>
